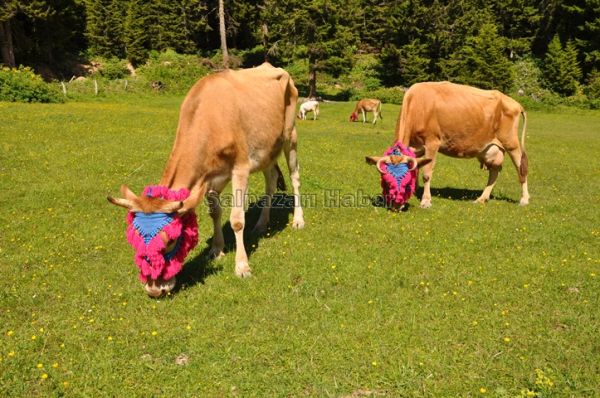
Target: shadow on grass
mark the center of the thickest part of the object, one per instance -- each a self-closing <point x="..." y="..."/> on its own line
<point x="461" y="194"/>
<point x="202" y="266"/>
<point x="447" y="193"/>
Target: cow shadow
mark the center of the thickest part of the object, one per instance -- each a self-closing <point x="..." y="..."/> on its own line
<point x="202" y="266"/>
<point x="458" y="194"/>
<point x="461" y="194"/>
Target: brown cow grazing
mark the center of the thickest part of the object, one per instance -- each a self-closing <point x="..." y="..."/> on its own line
<point x="231" y="124"/>
<point x="463" y="122"/>
<point x="367" y="105"/>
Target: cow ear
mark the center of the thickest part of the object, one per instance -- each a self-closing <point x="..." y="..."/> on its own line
<point x="129" y="201"/>
<point x="372" y="160"/>
<point x="422" y="162"/>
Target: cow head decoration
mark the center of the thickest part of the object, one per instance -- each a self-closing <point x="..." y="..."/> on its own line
<point x="399" y="170"/>
<point x="162" y="229"/>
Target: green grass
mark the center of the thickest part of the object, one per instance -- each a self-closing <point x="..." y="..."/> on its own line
<point x="441" y="302"/>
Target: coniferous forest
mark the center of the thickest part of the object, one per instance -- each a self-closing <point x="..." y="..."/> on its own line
<point x="485" y="43"/>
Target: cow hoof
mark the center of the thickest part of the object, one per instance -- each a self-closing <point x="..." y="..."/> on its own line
<point x="216" y="253"/>
<point x="480" y="201"/>
<point x="524" y="202"/>
<point x="425" y="205"/>
<point x="242" y="270"/>
<point x="298" y="224"/>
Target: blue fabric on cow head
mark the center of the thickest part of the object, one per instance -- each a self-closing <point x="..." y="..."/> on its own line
<point x="149" y="225"/>
<point x="397" y="171"/>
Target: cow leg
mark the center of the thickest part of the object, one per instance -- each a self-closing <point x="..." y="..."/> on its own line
<point x="491" y="159"/>
<point x="374" y="117"/>
<point x="215" y="211"/>
<point x="271" y="176"/>
<point x="493" y="176"/>
<point x="430" y="153"/>
<point x="239" y="183"/>
<point x="364" y="115"/>
<point x="520" y="161"/>
<point x="290" y="150"/>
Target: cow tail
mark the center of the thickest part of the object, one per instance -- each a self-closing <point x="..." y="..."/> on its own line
<point x="524" y="167"/>
<point x="380" y="113"/>
<point x="280" y="180"/>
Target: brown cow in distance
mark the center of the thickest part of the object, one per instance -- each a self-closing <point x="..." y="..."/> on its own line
<point x="463" y="122"/>
<point x="367" y="105"/>
<point x="231" y="124"/>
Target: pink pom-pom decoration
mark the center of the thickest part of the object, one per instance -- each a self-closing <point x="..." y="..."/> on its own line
<point x="143" y="234"/>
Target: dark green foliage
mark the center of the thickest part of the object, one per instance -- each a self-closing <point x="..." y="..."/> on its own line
<point x="137" y="38"/>
<point x="321" y="31"/>
<point x="481" y="61"/>
<point x="105" y="27"/>
<point x="406" y="65"/>
<point x="592" y="89"/>
<point x="579" y="21"/>
<point x="471" y="41"/>
<point x="134" y="27"/>
<point x="517" y="21"/>
<point x="561" y="68"/>
<point x="46" y="34"/>
<point x="23" y="85"/>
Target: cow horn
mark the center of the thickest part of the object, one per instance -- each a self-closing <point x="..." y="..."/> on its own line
<point x="192" y="201"/>
<point x="414" y="162"/>
<point x="383" y="159"/>
<point x="128" y="201"/>
<point x="120" y="202"/>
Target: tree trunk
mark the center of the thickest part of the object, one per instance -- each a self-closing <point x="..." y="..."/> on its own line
<point x="312" y="77"/>
<point x="6" y="44"/>
<point x="223" y="36"/>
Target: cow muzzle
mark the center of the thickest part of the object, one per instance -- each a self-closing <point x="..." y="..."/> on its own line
<point x="159" y="287"/>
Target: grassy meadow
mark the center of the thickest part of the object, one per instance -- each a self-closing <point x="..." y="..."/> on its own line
<point x="460" y="300"/>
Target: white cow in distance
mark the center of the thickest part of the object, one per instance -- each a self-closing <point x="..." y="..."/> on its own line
<point x="309" y="106"/>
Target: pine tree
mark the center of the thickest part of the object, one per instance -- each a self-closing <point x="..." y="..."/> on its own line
<point x="404" y="66"/>
<point x="481" y="61"/>
<point x="322" y="31"/>
<point x="7" y="49"/>
<point x="136" y="33"/>
<point x="561" y="71"/>
<point x="104" y="29"/>
<point x="40" y="32"/>
<point x="579" y="22"/>
<point x="517" y="21"/>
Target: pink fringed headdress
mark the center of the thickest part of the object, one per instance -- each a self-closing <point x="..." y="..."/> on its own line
<point x="398" y="180"/>
<point x="143" y="234"/>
